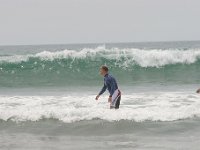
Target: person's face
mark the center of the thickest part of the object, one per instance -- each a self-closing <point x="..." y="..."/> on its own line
<point x="102" y="72"/>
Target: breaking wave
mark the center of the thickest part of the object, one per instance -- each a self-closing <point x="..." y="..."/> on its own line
<point x="120" y="57"/>
<point x="72" y="67"/>
<point x="137" y="107"/>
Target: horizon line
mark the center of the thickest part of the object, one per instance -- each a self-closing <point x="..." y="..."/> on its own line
<point x="85" y="43"/>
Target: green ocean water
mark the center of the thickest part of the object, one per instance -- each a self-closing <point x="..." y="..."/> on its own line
<point x="78" y="65"/>
<point x="47" y="96"/>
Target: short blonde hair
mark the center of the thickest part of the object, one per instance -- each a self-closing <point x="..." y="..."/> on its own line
<point x="104" y="68"/>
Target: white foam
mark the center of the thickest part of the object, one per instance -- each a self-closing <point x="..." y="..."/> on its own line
<point x="14" y="58"/>
<point x="137" y="107"/>
<point x="121" y="57"/>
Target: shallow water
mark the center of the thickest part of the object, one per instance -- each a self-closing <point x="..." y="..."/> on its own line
<point x="98" y="134"/>
<point x="47" y="96"/>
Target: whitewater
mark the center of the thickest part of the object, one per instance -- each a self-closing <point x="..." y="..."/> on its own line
<point x="47" y="96"/>
<point x="138" y="107"/>
<point x="121" y="57"/>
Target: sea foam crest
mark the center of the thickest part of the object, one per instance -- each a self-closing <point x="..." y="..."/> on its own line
<point x="124" y="57"/>
<point x="136" y="107"/>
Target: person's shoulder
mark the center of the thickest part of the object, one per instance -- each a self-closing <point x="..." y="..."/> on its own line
<point x="110" y="77"/>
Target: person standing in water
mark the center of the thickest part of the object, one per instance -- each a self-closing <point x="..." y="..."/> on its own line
<point x="198" y="91"/>
<point x="111" y="85"/>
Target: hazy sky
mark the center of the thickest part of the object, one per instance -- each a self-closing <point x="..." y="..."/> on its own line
<point x="90" y="21"/>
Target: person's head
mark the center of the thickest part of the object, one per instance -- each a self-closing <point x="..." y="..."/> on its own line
<point x="103" y="70"/>
<point x="198" y="91"/>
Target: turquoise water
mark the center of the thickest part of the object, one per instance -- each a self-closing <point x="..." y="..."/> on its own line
<point x="47" y="96"/>
<point x="77" y="65"/>
<point x="48" y="78"/>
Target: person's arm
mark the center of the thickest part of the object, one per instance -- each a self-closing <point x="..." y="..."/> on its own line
<point x="102" y="91"/>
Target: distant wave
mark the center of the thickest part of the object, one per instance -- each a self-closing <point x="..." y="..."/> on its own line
<point x="121" y="57"/>
<point x="73" y="67"/>
<point x="137" y="107"/>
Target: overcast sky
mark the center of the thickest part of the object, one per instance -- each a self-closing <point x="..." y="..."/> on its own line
<point x="93" y="21"/>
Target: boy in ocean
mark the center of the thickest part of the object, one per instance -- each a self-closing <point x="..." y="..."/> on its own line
<point x="198" y="91"/>
<point x="111" y="85"/>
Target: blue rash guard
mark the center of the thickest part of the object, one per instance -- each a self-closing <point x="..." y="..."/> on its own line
<point x="110" y="84"/>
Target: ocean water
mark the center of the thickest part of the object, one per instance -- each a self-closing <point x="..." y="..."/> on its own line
<point x="47" y="96"/>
